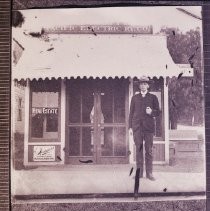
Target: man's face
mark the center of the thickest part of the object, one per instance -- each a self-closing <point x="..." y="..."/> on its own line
<point x="143" y="86"/>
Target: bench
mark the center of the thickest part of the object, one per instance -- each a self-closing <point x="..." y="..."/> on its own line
<point x="184" y="143"/>
<point x="186" y="140"/>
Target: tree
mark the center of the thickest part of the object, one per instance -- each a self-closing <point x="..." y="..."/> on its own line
<point x="185" y="94"/>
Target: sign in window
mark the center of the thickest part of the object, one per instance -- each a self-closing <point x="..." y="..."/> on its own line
<point x="44" y="115"/>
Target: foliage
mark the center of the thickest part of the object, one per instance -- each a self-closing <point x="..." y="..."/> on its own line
<point x="17" y="19"/>
<point x="185" y="93"/>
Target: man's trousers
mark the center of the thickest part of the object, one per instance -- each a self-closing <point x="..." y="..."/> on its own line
<point x="139" y="137"/>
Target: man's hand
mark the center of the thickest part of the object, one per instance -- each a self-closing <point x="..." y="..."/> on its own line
<point x="149" y="110"/>
<point x="130" y="131"/>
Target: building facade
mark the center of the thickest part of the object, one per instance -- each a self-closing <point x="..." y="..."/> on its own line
<point x="76" y="87"/>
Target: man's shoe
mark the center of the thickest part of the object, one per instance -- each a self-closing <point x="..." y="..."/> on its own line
<point x="150" y="177"/>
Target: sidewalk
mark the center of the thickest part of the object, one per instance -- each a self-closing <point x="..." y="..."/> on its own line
<point x="100" y="179"/>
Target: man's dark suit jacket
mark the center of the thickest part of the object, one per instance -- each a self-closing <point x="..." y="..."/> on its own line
<point x="138" y="118"/>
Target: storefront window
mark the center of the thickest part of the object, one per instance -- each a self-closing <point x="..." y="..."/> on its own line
<point x="44" y="114"/>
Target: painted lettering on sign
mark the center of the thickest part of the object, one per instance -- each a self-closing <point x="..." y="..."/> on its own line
<point x="44" y="153"/>
<point x="99" y="29"/>
<point x="44" y="110"/>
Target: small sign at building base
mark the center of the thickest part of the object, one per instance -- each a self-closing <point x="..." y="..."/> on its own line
<point x="44" y="153"/>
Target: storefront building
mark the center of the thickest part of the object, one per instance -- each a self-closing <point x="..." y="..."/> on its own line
<point x="72" y="89"/>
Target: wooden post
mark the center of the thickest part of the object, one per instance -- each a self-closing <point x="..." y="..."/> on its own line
<point x="166" y="121"/>
<point x="130" y="138"/>
<point x="26" y="128"/>
<point x="63" y="119"/>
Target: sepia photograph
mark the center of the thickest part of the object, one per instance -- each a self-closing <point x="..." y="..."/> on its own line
<point x="107" y="103"/>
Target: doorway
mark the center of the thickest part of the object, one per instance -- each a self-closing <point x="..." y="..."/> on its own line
<point x="97" y="121"/>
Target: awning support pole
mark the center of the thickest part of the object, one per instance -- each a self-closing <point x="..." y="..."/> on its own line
<point x="63" y="119"/>
<point x="130" y="138"/>
<point x="27" y="115"/>
<point x="166" y="121"/>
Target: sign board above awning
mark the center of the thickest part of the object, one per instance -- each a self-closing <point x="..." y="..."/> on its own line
<point x="96" y="55"/>
<point x="99" y="29"/>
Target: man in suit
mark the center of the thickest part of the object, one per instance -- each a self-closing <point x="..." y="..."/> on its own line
<point x="144" y="107"/>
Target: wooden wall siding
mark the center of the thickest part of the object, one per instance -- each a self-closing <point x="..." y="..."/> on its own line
<point x="19" y="93"/>
<point x="159" y="152"/>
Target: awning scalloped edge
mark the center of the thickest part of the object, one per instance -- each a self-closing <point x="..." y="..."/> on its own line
<point x="103" y="77"/>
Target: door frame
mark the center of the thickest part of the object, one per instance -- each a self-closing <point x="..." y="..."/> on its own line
<point x="115" y="159"/>
<point x="96" y="158"/>
<point x="165" y="124"/>
<point x="75" y="160"/>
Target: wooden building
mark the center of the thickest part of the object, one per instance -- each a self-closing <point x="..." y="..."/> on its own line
<point x="75" y="84"/>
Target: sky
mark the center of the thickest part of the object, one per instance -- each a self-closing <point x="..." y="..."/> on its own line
<point x="158" y="17"/>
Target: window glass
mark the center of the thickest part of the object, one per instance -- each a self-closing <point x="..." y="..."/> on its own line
<point x="19" y="118"/>
<point x="44" y="114"/>
<point x="119" y="101"/>
<point x="113" y="101"/>
<point x="74" y="141"/>
<point x="74" y="92"/>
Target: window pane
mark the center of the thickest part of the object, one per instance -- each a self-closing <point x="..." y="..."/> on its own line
<point x="107" y="146"/>
<point x="44" y="99"/>
<point x="74" y="141"/>
<point x="120" y="142"/>
<point x="158" y="120"/>
<point x="19" y="111"/>
<point x="158" y="126"/>
<point x="87" y="103"/>
<point x="87" y="138"/>
<point x="44" y="113"/>
<point x="37" y="126"/>
<point x="52" y="123"/>
<point x="119" y="102"/>
<point x="107" y="101"/>
<point x="74" y="102"/>
<point x="113" y="100"/>
<point x="19" y="115"/>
